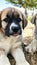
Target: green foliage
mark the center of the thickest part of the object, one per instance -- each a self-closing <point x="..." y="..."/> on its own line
<point x="24" y="3"/>
<point x="13" y="1"/>
<point x="31" y="3"/>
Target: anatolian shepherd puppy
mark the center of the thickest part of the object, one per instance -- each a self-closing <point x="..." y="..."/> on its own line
<point x="32" y="47"/>
<point x="12" y="22"/>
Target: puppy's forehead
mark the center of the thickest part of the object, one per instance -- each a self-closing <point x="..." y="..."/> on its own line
<point x="4" y="13"/>
<point x="9" y="11"/>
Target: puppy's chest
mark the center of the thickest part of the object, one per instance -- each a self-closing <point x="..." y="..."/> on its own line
<point x="4" y="43"/>
<point x="16" y="41"/>
<point x="8" y="42"/>
<point x="1" y="36"/>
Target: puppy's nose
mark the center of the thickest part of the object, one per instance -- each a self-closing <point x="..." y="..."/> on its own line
<point x="15" y="29"/>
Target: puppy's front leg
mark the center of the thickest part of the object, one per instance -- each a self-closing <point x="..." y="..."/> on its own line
<point x="3" y="59"/>
<point x="19" y="56"/>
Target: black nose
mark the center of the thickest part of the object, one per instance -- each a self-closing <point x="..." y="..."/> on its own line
<point x="15" y="29"/>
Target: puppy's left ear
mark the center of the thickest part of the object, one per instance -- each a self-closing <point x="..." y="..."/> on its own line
<point x="24" y="22"/>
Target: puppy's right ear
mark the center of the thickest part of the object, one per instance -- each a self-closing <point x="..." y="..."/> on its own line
<point x="0" y="19"/>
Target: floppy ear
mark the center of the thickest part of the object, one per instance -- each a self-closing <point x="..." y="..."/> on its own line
<point x="24" y="22"/>
<point x="33" y="20"/>
<point x="0" y="19"/>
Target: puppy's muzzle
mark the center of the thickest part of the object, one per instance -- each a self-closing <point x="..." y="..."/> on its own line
<point x="15" y="29"/>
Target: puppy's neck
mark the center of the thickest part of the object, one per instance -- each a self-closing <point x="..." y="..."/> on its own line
<point x="17" y="38"/>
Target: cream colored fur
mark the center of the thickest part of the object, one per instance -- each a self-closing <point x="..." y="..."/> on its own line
<point x="12" y="44"/>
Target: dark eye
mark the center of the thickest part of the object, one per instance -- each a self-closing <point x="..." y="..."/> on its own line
<point x="6" y="20"/>
<point x="19" y="19"/>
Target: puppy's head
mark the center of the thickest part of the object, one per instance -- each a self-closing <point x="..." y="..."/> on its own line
<point x="34" y="21"/>
<point x="11" y="20"/>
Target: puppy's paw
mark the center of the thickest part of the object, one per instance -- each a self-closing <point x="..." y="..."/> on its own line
<point x="4" y="60"/>
<point x="31" y="48"/>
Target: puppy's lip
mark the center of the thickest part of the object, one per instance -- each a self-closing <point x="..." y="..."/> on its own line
<point x="15" y="34"/>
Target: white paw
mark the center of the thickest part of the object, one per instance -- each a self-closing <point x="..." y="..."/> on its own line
<point x="4" y="60"/>
<point x="31" y="47"/>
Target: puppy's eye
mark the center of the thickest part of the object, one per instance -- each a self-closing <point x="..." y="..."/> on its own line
<point x="19" y="19"/>
<point x="6" y="20"/>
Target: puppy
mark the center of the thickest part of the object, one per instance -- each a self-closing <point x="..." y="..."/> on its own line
<point x="32" y="47"/>
<point x="12" y="21"/>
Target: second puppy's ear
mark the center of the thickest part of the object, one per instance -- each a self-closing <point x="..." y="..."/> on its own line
<point x="24" y="22"/>
<point x="0" y="19"/>
<point x="33" y="20"/>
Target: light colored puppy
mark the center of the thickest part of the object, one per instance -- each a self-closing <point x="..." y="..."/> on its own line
<point x="12" y="22"/>
<point x="32" y="47"/>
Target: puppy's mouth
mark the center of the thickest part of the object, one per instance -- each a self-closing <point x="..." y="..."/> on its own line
<point x="15" y="34"/>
